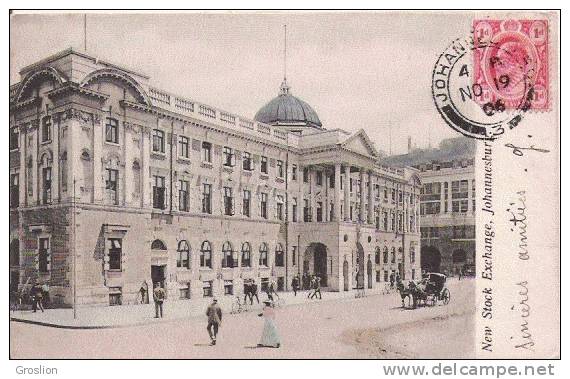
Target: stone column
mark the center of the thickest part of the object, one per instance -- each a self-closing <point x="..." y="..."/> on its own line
<point x="370" y="198"/>
<point x="126" y="189"/>
<point x="312" y="205"/>
<point x="347" y="193"/>
<point x="361" y="210"/>
<point x="337" y="179"/>
<point x="55" y="176"/>
<point x="23" y="195"/>
<point x="145" y="158"/>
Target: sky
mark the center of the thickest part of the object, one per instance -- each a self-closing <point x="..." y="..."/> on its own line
<point x="368" y="71"/>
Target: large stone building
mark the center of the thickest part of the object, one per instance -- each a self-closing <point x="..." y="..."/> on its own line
<point x="116" y="185"/>
<point x="447" y="208"/>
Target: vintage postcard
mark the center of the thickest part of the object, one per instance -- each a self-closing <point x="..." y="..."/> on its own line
<point x="284" y="185"/>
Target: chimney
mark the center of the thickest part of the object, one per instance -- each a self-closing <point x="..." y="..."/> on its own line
<point x="409" y="144"/>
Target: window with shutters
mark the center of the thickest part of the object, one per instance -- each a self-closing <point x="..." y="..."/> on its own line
<point x="263" y="205"/>
<point x="183" y="196"/>
<point x="264" y="165"/>
<point x="158" y="192"/>
<point x="46" y="129"/>
<point x="228" y="201"/>
<point x="207" y="198"/>
<point x="206" y="255"/>
<point x="263" y="258"/>
<point x="183" y="260"/>
<point x="229" y="156"/>
<point x="206" y="152"/>
<point x="183" y="147"/>
<point x="44" y="255"/>
<point x="112" y="131"/>
<point x="246" y="255"/>
<point x="115" y="254"/>
<point x="246" y="203"/>
<point x="158" y="141"/>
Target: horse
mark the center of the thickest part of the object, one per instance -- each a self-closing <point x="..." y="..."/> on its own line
<point x="404" y="292"/>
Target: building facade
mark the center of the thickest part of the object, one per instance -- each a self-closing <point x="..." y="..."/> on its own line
<point x="447" y="205"/>
<point x="117" y="185"/>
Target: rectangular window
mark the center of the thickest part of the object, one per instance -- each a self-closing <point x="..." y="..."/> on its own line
<point x="206" y="152"/>
<point x="247" y="161"/>
<point x="473" y="195"/>
<point x="158" y="141"/>
<point x="263" y="165"/>
<point x="294" y="209"/>
<point x="46" y="185"/>
<point x="184" y="147"/>
<point x="246" y="204"/>
<point x="46" y="129"/>
<point x="115" y="253"/>
<point x="14" y="138"/>
<point x="228" y="287"/>
<point x="331" y="181"/>
<point x="319" y="211"/>
<point x="111" y="185"/>
<point x="14" y="190"/>
<point x="263" y="205"/>
<point x="228" y="201"/>
<point x="279" y="208"/>
<point x="184" y="292"/>
<point x="112" y="130"/>
<point x="43" y="255"/>
<point x="306" y="211"/>
<point x="294" y="172"/>
<point x="207" y="198"/>
<point x="331" y="211"/>
<point x="229" y="157"/>
<point x="280" y="169"/>
<point x="207" y="288"/>
<point x="319" y="178"/>
<point x="158" y="193"/>
<point x="305" y="175"/>
<point x="183" y="196"/>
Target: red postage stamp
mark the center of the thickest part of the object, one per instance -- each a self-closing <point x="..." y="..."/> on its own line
<point x="511" y="63"/>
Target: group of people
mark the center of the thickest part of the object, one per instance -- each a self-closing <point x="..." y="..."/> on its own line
<point x="38" y="295"/>
<point x="269" y="336"/>
<point x="309" y="282"/>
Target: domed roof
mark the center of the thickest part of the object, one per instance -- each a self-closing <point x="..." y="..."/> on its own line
<point x="287" y="109"/>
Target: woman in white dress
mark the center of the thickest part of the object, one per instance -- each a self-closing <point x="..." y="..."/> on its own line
<point x="269" y="336"/>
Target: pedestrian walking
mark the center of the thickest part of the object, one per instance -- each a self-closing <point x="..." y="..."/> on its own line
<point x="253" y="291"/>
<point x="269" y="336"/>
<point x="273" y="289"/>
<point x="247" y="291"/>
<point x="214" y="313"/>
<point x="305" y="281"/>
<point x="158" y="296"/>
<point x="392" y="280"/>
<point x="460" y="273"/>
<point x="295" y="284"/>
<point x="142" y="291"/>
<point x="311" y="286"/>
<point x="317" y="287"/>
<point x="45" y="295"/>
<point x="37" y="298"/>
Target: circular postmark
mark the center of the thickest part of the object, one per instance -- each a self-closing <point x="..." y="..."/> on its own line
<point x="483" y="109"/>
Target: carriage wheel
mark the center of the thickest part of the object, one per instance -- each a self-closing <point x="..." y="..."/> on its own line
<point x="446" y="296"/>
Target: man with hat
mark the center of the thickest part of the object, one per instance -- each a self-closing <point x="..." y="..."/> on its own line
<point x="214" y="313"/>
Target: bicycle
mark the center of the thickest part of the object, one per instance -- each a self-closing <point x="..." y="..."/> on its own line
<point x="239" y="306"/>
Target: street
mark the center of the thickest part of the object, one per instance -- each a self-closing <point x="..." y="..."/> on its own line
<point x="371" y="327"/>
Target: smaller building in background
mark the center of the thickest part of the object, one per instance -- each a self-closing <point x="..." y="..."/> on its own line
<point x="447" y="203"/>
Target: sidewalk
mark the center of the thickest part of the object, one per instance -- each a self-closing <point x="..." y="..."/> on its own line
<point x="99" y="317"/>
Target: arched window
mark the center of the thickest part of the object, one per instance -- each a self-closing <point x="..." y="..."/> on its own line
<point x="228" y="255"/>
<point x="246" y="255"/>
<point x="46" y="181"/>
<point x="279" y="256"/>
<point x="206" y="255"/>
<point x="385" y="255"/>
<point x="263" y="261"/>
<point x="63" y="171"/>
<point x="393" y="260"/>
<point x="183" y="254"/>
<point x="377" y="255"/>
<point x="158" y="245"/>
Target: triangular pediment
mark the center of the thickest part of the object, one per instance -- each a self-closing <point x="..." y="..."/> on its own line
<point x="360" y="143"/>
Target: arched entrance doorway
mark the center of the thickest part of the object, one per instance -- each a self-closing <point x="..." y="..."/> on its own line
<point x="459" y="258"/>
<point x="430" y="259"/>
<point x="359" y="265"/>
<point x="159" y="260"/>
<point x="318" y="251"/>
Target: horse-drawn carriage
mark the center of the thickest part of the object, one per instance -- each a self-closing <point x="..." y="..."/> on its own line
<point x="429" y="290"/>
